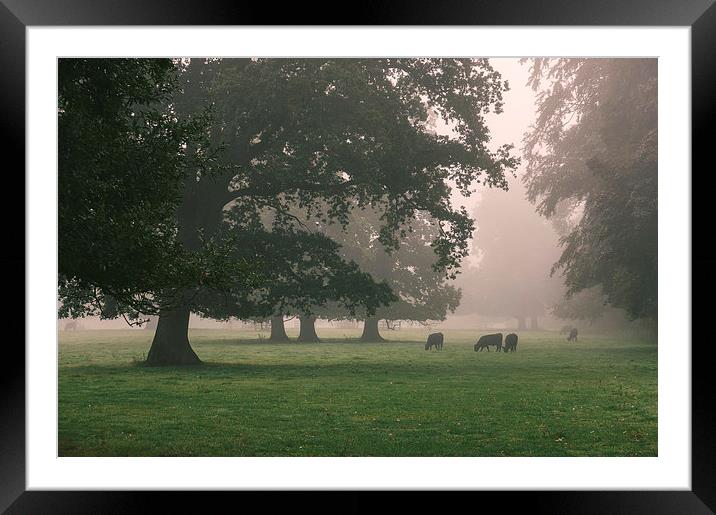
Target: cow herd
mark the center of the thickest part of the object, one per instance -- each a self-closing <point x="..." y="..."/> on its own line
<point x="485" y="342"/>
<point x="490" y="340"/>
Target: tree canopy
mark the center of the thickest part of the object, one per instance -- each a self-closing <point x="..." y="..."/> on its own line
<point x="122" y="157"/>
<point x="303" y="270"/>
<point x="591" y="161"/>
<point x="333" y="134"/>
<point x="421" y="288"/>
<point x="326" y="135"/>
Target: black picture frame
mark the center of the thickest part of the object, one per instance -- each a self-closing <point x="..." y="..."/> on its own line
<point x="700" y="15"/>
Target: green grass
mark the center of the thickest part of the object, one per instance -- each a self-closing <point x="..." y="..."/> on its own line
<point x="343" y="398"/>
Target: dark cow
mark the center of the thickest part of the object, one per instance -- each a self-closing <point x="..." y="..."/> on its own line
<point x="511" y="342"/>
<point x="489" y="339"/>
<point x="572" y="335"/>
<point x="434" y="340"/>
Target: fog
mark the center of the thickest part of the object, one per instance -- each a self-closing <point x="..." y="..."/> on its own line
<point x="506" y="223"/>
<point x="505" y="280"/>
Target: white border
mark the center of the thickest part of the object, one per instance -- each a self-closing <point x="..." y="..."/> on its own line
<point x="670" y="470"/>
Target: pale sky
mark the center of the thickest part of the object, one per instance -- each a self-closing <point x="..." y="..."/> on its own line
<point x="507" y="127"/>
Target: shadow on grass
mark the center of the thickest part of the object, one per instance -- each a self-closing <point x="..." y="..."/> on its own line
<point x="293" y="343"/>
<point x="274" y="371"/>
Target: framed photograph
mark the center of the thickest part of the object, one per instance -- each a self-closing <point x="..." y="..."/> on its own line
<point x="324" y="226"/>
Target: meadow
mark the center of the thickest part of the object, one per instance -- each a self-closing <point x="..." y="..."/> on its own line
<point x="340" y="397"/>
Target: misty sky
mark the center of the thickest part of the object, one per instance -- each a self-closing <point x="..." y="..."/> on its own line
<point x="507" y="127"/>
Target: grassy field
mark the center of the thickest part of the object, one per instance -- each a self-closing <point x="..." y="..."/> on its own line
<point x="343" y="398"/>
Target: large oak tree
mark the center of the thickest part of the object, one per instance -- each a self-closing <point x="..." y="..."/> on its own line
<point x="326" y="135"/>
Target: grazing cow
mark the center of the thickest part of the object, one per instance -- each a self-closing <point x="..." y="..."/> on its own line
<point x="434" y="340"/>
<point x="511" y="342"/>
<point x="572" y="335"/>
<point x="489" y="339"/>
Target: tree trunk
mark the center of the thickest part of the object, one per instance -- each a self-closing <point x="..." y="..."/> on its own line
<point x="278" y="330"/>
<point x="521" y="323"/>
<point x="199" y="209"/>
<point x="308" y="330"/>
<point x="370" y="331"/>
<point x="534" y="325"/>
<point x="171" y="340"/>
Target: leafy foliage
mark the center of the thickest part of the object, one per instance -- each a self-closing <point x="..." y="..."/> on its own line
<point x="422" y="293"/>
<point x="329" y="135"/>
<point x="592" y="161"/>
<point x="122" y="156"/>
<point x="302" y="271"/>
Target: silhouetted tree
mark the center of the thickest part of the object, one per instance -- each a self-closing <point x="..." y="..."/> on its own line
<point x="303" y="271"/>
<point x="420" y="286"/>
<point x="122" y="156"/>
<point x="592" y="163"/>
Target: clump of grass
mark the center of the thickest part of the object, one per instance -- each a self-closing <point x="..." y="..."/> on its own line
<point x="139" y="362"/>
